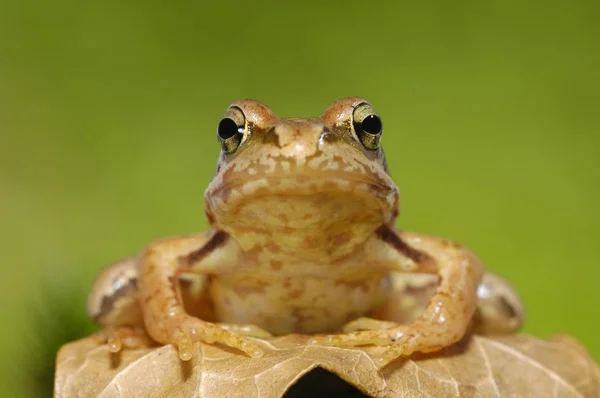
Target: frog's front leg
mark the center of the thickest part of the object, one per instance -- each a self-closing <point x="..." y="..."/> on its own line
<point x="499" y="308"/>
<point x="164" y="315"/>
<point x="447" y="316"/>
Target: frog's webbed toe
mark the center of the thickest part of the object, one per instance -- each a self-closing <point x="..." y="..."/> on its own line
<point x="185" y="330"/>
<point x="121" y="337"/>
<point x="400" y="340"/>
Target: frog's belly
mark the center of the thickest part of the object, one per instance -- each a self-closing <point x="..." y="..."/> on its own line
<point x="296" y="304"/>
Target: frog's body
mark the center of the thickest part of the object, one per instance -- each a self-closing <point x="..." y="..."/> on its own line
<point x="302" y="239"/>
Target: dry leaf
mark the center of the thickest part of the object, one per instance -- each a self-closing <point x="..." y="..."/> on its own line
<point x="512" y="365"/>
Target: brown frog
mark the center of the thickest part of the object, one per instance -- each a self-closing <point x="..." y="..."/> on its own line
<point x="302" y="240"/>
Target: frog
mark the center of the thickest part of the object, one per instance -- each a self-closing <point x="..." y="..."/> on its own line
<point x="302" y="239"/>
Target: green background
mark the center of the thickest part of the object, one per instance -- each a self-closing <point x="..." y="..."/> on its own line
<point x="107" y="137"/>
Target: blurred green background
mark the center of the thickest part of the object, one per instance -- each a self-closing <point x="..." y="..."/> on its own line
<point x="107" y="137"/>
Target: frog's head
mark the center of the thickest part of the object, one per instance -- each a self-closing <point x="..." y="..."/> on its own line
<point x="283" y="175"/>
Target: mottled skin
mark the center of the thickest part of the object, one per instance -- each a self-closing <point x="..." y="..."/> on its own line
<point x="302" y="239"/>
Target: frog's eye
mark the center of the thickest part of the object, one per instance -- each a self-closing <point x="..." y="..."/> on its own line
<point x="231" y="129"/>
<point x="367" y="126"/>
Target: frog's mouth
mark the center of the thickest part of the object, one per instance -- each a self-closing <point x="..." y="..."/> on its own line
<point x="313" y="197"/>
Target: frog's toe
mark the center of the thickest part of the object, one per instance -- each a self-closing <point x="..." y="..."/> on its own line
<point x="187" y="330"/>
<point x="368" y="337"/>
<point x="183" y="341"/>
<point x="114" y="344"/>
<point x="398" y="342"/>
<point x="118" y="338"/>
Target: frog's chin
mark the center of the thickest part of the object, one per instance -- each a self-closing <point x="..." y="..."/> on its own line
<point x="303" y="215"/>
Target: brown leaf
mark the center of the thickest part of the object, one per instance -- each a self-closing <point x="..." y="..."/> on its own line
<point x="516" y="365"/>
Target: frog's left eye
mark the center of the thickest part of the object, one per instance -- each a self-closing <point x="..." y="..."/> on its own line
<point x="231" y="129"/>
<point x="367" y="126"/>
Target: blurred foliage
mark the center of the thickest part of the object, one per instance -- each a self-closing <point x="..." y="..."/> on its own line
<point x="107" y="137"/>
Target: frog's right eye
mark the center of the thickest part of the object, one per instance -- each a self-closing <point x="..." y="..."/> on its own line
<point x="367" y="126"/>
<point x="231" y="130"/>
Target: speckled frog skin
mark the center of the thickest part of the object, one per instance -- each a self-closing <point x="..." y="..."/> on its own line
<point x="303" y="239"/>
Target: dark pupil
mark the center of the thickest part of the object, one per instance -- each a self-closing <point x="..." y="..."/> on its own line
<point x="372" y="124"/>
<point x="227" y="128"/>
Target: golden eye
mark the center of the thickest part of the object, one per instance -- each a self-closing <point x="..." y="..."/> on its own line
<point x="230" y="130"/>
<point x="367" y="126"/>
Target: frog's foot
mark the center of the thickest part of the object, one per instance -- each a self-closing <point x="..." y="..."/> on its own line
<point x="246" y="330"/>
<point x="400" y="340"/>
<point x="365" y="323"/>
<point x="184" y="330"/>
<point x="118" y="337"/>
<point x="363" y="337"/>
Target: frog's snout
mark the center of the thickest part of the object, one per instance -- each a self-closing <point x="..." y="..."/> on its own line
<point x="299" y="138"/>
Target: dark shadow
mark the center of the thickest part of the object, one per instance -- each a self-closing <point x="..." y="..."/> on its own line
<point x="115" y="359"/>
<point x="321" y="383"/>
<point x="186" y="368"/>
